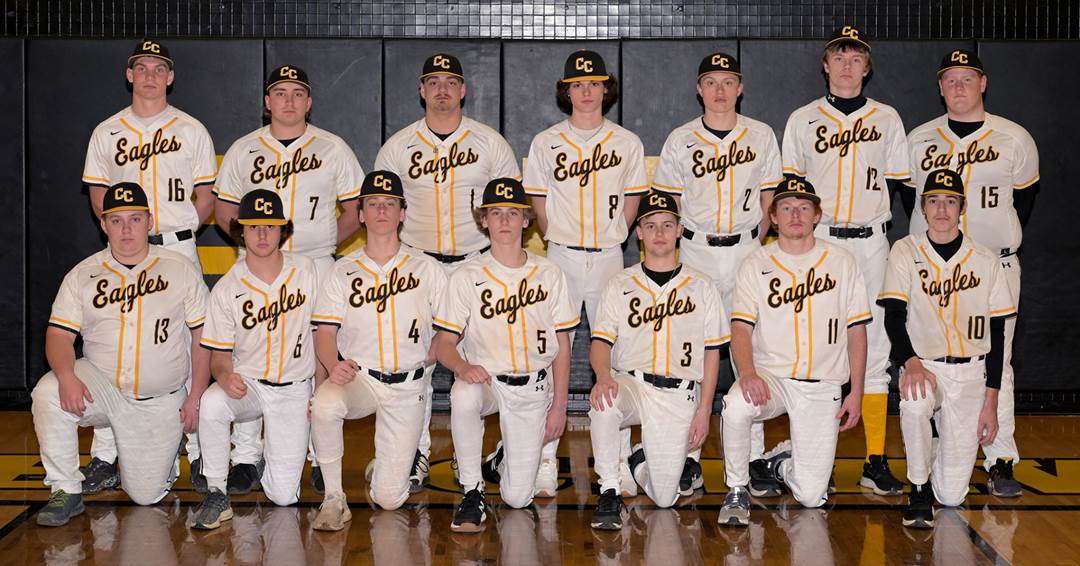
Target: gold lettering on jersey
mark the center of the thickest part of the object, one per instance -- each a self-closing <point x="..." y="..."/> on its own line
<point x="673" y="306"/>
<point x="973" y="154"/>
<point x="127" y="294"/>
<point x="597" y="162"/>
<point x="512" y="305"/>
<point x="944" y="290"/>
<point x="799" y="292"/>
<point x="283" y="172"/>
<point x="720" y="165"/>
<point x="271" y="313"/>
<point x="440" y="166"/>
<point x="844" y="139"/>
<point x="142" y="153"/>
<point x="378" y="294"/>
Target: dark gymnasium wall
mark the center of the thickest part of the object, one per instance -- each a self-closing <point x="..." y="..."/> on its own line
<point x="63" y="73"/>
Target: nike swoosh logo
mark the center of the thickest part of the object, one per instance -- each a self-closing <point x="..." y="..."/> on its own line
<point x="836" y="399"/>
<point x="411" y="146"/>
<point x="348" y="273"/>
<point x="691" y="145"/>
<point x="917" y="262"/>
<point x="114" y="133"/>
<point x="240" y="295"/>
<point x="480" y="283"/>
<point x="766" y="272"/>
<point x="627" y="292"/>
<point x="94" y="275"/>
<point x="253" y="151"/>
<point x="811" y="122"/>
<point x="556" y="146"/>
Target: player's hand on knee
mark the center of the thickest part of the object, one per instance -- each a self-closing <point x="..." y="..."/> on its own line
<point x="234" y="386"/>
<point x="189" y="414"/>
<point x="605" y="389"/>
<point x="988" y="424"/>
<point x="754" y="389"/>
<point x="73" y="393"/>
<point x="915" y="380"/>
<point x="473" y="374"/>
<point x="699" y="430"/>
<point x="555" y="424"/>
<point x="852" y="407"/>
<point x="344" y="372"/>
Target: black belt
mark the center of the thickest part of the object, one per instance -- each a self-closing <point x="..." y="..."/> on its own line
<point x="1006" y="252"/>
<point x="162" y="395"/>
<point x="276" y="384"/>
<point x="400" y="377"/>
<point x="956" y="360"/>
<point x="158" y="239"/>
<point x="857" y="232"/>
<point x="519" y="380"/>
<point x="664" y="382"/>
<point x="720" y="241"/>
<point x="445" y="258"/>
<point x="583" y="249"/>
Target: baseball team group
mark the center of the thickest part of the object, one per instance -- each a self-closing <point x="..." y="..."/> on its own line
<point x="298" y="341"/>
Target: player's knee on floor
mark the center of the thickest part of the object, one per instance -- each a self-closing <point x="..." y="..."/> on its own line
<point x="144" y="495"/>
<point x="951" y="496"/>
<point x="281" y="496"/>
<point x="389" y="499"/>
<point x="517" y="497"/>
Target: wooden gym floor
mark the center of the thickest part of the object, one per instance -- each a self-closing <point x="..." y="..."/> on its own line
<point x="853" y="528"/>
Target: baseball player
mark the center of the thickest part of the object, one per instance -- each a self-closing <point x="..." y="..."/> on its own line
<point x="999" y="163"/>
<point x="444" y="160"/>
<point x="259" y="329"/>
<point x="585" y="177"/>
<point x="853" y="149"/>
<point x="721" y="167"/>
<point x="139" y="309"/>
<point x="171" y="155"/>
<point x="376" y="309"/>
<point x="656" y="338"/>
<point x="313" y="172"/>
<point x="797" y="335"/>
<point x="946" y="301"/>
<point x="510" y="311"/>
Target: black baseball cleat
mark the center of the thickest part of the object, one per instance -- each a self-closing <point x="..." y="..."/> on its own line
<point x="636" y="459"/>
<point x="99" y="475"/>
<point x="198" y="480"/>
<point x="877" y="476"/>
<point x="610" y="512"/>
<point x="489" y="468"/>
<point x="213" y="511"/>
<point x="61" y="508"/>
<point x="763" y="482"/>
<point x="920" y="510"/>
<point x="419" y="477"/>
<point x="691" y="477"/>
<point x="243" y="478"/>
<point x="470" y="514"/>
<point x="1001" y="482"/>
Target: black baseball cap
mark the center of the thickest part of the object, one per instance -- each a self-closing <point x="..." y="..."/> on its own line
<point x="719" y="62"/>
<point x="124" y="196"/>
<point x="442" y="64"/>
<point x="261" y="207"/>
<point x="150" y="48"/>
<point x="656" y="201"/>
<point x="796" y="187"/>
<point x="584" y="65"/>
<point x="944" y="182"/>
<point x="288" y="74"/>
<point x="850" y="34"/>
<point x="382" y="184"/>
<point x="961" y="59"/>
<point x="504" y="191"/>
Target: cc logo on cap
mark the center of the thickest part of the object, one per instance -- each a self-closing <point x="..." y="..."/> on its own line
<point x="441" y="61"/>
<point x="797" y="186"/>
<point x="381" y="182"/>
<point x="264" y="206"/>
<point x="583" y="64"/>
<point x="944" y="179"/>
<point x="124" y="195"/>
<point x="287" y="72"/>
<point x="656" y="199"/>
<point x="850" y="31"/>
<point x="721" y="61"/>
<point x="959" y="57"/>
<point x="151" y="47"/>
<point x="505" y="191"/>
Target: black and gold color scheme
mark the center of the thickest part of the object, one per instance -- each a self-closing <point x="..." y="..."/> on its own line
<point x="505" y="191"/>
<point x="719" y="62"/>
<point x="961" y="59"/>
<point x="655" y="202"/>
<point x="796" y="187"/>
<point x="287" y="74"/>
<point x="261" y="208"/>
<point x="442" y="64"/>
<point x="944" y="182"/>
<point x="382" y="184"/>
<point x="150" y="48"/>
<point x="124" y="196"/>
<point x="849" y="34"/>
<point x="584" y="65"/>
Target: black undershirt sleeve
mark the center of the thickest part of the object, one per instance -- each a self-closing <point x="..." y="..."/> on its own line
<point x="907" y="195"/>
<point x="896" y="328"/>
<point x="1024" y="202"/>
<point x="995" y="360"/>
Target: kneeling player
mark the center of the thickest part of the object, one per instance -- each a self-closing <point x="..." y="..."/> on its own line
<point x="946" y="300"/>
<point x="130" y="303"/>
<point x="797" y="335"/>
<point x="510" y="311"/>
<point x="259" y="328"/>
<point x="657" y="337"/>
<point x="375" y="308"/>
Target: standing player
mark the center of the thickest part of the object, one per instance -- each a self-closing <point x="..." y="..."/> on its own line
<point x="946" y="301"/>
<point x="722" y="168"/>
<point x="510" y="312"/>
<point x="853" y="149"/>
<point x="797" y="336"/>
<point x="139" y="309"/>
<point x="259" y="328"/>
<point x="999" y="163"/>
<point x="656" y="338"/>
<point x="585" y="176"/>
<point x="444" y="160"/>
<point x="312" y="171"/>
<point x="376" y="309"/>
<point x="171" y="155"/>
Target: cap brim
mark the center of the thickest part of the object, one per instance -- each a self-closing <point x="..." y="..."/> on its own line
<point x="507" y="204"/>
<point x="263" y="222"/>
<point x="652" y="212"/>
<point x="426" y="75"/>
<point x="942" y="192"/>
<point x="141" y="55"/>
<point x="125" y="208"/>
<point x="736" y="73"/>
<point x="299" y="82"/>
<point x="851" y="39"/>
<point x="792" y="194"/>
<point x="599" y="78"/>
<point x="976" y="69"/>
<point x="380" y="194"/>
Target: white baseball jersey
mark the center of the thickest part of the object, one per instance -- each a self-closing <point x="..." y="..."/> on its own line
<point x="132" y="321"/>
<point x="848" y="158"/>
<point x="661" y="330"/>
<point x="508" y="316"/>
<point x="720" y="180"/>
<point x="266" y="327"/>
<point x="311" y="175"/>
<point x="950" y="303"/>
<point x="383" y="313"/>
<point x="994" y="160"/>
<point x="801" y="308"/>
<point x="168" y="159"/>
<point x="444" y="181"/>
<point x="586" y="182"/>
